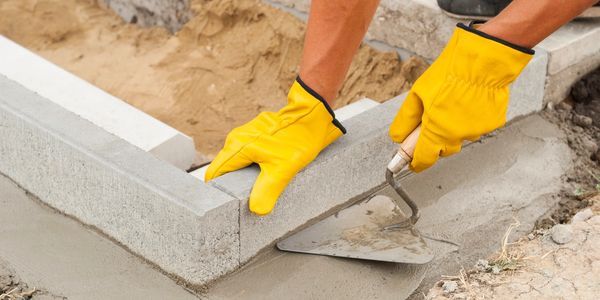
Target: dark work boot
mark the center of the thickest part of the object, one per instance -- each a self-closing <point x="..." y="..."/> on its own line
<point x="483" y="10"/>
<point x="473" y="9"/>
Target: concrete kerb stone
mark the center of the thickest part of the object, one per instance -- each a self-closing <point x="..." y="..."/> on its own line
<point x="165" y="215"/>
<point x="527" y="92"/>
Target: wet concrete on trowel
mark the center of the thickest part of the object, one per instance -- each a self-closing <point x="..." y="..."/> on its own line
<point x="469" y="199"/>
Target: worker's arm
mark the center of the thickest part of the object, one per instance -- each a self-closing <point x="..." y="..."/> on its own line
<point x="528" y="22"/>
<point x="283" y="143"/>
<point x="334" y="33"/>
<point x="464" y="93"/>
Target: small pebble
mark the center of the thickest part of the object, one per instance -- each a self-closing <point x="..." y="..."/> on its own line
<point x="495" y="270"/>
<point x="564" y="106"/>
<point x="582" y="216"/>
<point x="449" y="286"/>
<point x="482" y="265"/>
<point x="582" y="121"/>
<point x="577" y="129"/>
<point x="562" y="233"/>
<point x="531" y="236"/>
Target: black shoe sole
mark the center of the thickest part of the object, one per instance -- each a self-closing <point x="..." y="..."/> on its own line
<point x="590" y="13"/>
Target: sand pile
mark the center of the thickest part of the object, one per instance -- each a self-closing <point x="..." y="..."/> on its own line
<point x="231" y="61"/>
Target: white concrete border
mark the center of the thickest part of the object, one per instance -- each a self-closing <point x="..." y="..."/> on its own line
<point x="93" y="104"/>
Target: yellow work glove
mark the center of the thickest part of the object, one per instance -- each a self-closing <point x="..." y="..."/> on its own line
<point x="282" y="143"/>
<point x="463" y="95"/>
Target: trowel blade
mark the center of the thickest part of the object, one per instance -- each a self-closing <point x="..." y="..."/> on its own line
<point x="358" y="232"/>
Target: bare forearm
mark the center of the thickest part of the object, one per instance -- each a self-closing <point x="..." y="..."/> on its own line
<point x="528" y="22"/>
<point x="334" y="33"/>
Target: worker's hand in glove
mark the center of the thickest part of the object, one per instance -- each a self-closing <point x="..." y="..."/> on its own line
<point x="282" y="143"/>
<point x="463" y="95"/>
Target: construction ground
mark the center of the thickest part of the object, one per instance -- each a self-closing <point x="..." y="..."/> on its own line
<point x="111" y="109"/>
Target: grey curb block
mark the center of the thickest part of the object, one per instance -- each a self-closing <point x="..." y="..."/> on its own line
<point x="154" y="209"/>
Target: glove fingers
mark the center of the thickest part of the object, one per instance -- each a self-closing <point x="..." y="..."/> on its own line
<point x="267" y="188"/>
<point x="407" y="119"/>
<point x="450" y="149"/>
<point x="426" y="152"/>
<point x="228" y="160"/>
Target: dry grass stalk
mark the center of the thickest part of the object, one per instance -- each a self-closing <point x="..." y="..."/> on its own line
<point x="10" y="295"/>
<point x="508" y="260"/>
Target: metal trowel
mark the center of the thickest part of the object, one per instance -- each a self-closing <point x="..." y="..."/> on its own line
<point x="373" y="229"/>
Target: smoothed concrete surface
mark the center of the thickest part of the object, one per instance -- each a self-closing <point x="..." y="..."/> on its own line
<point x="470" y="199"/>
<point x="52" y="252"/>
<point x="280" y="275"/>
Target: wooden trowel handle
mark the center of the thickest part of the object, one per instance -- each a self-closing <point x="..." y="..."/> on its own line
<point x="405" y="153"/>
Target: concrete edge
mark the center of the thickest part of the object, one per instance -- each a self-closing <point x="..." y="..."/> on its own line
<point x="157" y="211"/>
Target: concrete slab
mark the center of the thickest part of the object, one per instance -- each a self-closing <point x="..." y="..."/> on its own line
<point x="528" y="91"/>
<point x="52" y="252"/>
<point x="95" y="105"/>
<point x="156" y="210"/>
<point x="466" y="199"/>
<point x="354" y="109"/>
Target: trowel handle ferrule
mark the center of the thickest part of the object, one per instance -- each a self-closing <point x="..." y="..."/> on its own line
<point x="404" y="156"/>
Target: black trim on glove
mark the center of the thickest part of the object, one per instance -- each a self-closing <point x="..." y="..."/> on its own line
<point x="316" y="95"/>
<point x="472" y="29"/>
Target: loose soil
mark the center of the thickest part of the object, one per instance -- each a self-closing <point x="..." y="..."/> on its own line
<point x="581" y="123"/>
<point x="535" y="267"/>
<point x="232" y="60"/>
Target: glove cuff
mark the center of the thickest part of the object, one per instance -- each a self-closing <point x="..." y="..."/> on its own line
<point x="316" y="95"/>
<point x="471" y="28"/>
